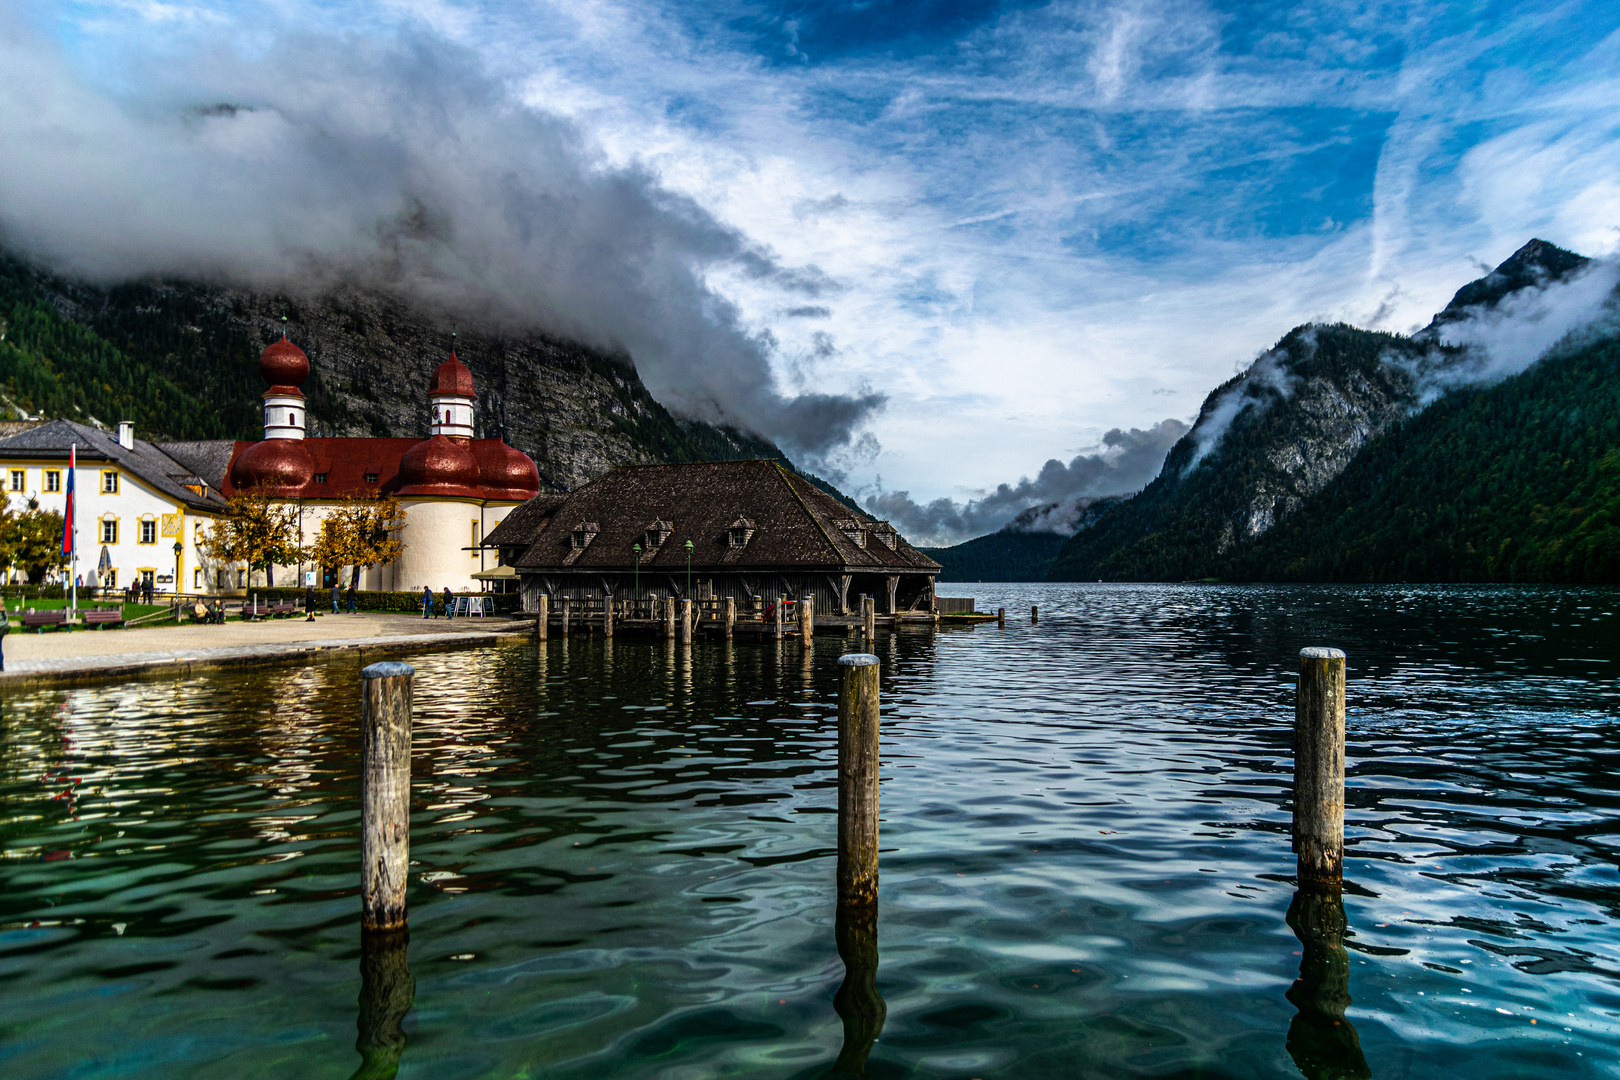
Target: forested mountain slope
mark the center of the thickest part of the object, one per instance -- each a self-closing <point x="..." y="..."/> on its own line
<point x="181" y="360"/>
<point x="1329" y="403"/>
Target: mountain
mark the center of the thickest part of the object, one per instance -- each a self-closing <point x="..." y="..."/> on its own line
<point x="1016" y="552"/>
<point x="181" y="359"/>
<point x="1272" y="443"/>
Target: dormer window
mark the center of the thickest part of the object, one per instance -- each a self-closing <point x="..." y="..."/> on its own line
<point x="886" y="535"/>
<point x="584" y="533"/>
<point x="320" y="478"/>
<point x="853" y="529"/>
<point x="655" y="534"/>
<point x="371" y="478"/>
<point x="741" y="531"/>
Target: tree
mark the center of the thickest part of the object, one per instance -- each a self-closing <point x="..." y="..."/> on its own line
<point x="361" y="531"/>
<point x="256" y="530"/>
<point x="33" y="541"/>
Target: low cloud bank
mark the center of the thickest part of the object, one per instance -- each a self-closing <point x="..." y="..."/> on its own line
<point x="1127" y="461"/>
<point x="404" y="165"/>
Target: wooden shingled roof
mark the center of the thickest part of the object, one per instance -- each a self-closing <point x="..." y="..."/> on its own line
<point x="790" y="524"/>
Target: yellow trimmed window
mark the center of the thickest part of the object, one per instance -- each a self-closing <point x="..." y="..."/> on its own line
<point x="19" y="480"/>
<point x="148" y="530"/>
<point x="474" y="551"/>
<point x="109" y="482"/>
<point x="109" y="530"/>
<point x="53" y="480"/>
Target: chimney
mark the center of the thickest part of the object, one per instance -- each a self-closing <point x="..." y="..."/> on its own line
<point x="126" y="434"/>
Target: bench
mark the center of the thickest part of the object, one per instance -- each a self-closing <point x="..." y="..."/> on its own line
<point x="39" y="620"/>
<point x="100" y="617"/>
<point x="282" y="609"/>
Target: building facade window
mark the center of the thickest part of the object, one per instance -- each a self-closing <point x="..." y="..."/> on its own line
<point x="241" y="579"/>
<point x="110" y="579"/>
<point x="196" y="578"/>
<point x="109" y="530"/>
<point x="474" y="551"/>
<point x="19" y="480"/>
<point x="109" y="483"/>
<point x="320" y="478"/>
<point x="53" y="480"/>
<point x="148" y="531"/>
<point x="371" y="478"/>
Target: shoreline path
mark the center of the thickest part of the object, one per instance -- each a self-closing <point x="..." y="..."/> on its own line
<point x="99" y="654"/>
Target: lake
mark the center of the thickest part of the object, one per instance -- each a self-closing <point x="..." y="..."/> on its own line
<point x="624" y="853"/>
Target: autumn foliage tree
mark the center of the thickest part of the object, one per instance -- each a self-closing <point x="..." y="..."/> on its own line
<point x="256" y="530"/>
<point x="32" y="540"/>
<point x="361" y="531"/>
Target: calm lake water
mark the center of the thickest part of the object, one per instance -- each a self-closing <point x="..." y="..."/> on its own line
<point x="624" y="855"/>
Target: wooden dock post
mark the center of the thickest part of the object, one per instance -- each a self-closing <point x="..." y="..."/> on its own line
<point x="686" y="621"/>
<point x="566" y="605"/>
<point x="1319" y="766"/>
<point x="544" y="617"/>
<point x="1001" y="617"/>
<point x="869" y="617"/>
<point x="385" y="793"/>
<point x="669" y="618"/>
<point x="1034" y="615"/>
<point x="807" y="619"/>
<point x="858" y="779"/>
<point x="778" y="613"/>
<point x="731" y="616"/>
<point x="607" y="616"/>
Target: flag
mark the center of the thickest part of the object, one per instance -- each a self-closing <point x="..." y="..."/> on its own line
<point x="67" y="510"/>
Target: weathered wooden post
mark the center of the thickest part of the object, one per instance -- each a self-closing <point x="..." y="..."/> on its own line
<point x="686" y="621"/>
<point x="607" y="616"/>
<point x="385" y="793"/>
<point x="858" y="779"/>
<point x="669" y="618"/>
<point x="1319" y="766"/>
<point x="541" y="619"/>
<point x="566" y="606"/>
<point x="807" y="618"/>
<point x="779" y="620"/>
<point x="869" y="617"/>
<point x="1034" y="615"/>
<point x="731" y="616"/>
<point x="1001" y="617"/>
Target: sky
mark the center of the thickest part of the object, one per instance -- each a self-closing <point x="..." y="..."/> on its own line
<point x="960" y="257"/>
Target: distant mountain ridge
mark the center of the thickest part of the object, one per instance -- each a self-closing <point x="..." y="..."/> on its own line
<point x="180" y="358"/>
<point x="1327" y="401"/>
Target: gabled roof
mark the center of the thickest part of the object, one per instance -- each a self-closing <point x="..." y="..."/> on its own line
<point x="147" y="462"/>
<point x="520" y="527"/>
<point x="794" y="523"/>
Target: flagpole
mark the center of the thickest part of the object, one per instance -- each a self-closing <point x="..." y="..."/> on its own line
<point x="73" y="529"/>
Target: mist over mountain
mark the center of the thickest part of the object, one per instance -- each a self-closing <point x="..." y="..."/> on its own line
<point x="1275" y="440"/>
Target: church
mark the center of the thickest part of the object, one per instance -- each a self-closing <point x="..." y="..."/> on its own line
<point x="454" y="487"/>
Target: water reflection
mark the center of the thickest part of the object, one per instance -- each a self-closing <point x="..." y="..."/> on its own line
<point x="386" y="992"/>
<point x="1321" y="1041"/>
<point x="858" y="1002"/>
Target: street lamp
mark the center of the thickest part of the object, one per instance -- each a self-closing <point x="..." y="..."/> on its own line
<point x="179" y="549"/>
<point x="689" y="569"/>
<point x="637" y="549"/>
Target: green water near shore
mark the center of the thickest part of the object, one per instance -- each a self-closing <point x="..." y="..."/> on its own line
<point x="624" y="851"/>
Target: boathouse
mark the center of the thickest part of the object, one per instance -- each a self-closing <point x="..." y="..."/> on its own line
<point x="751" y="530"/>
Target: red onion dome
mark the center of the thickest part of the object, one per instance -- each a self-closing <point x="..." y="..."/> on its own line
<point x="438" y="466"/>
<point x="277" y="466"/>
<point x="452" y="377"/>
<point x="284" y="364"/>
<point x="505" y="471"/>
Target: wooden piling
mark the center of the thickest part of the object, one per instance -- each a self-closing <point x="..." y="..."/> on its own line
<point x="542" y="618"/>
<point x="1001" y="617"/>
<point x="385" y="793"/>
<point x="858" y="779"/>
<point x="566" y="606"/>
<point x="1034" y="615"/>
<point x="607" y="616"/>
<point x="1319" y="766"/>
<point x="669" y="618"/>
<point x="807" y="619"/>
<point x="778" y="613"/>
<point x="686" y="621"/>
<point x="869" y="618"/>
<point x="731" y="616"/>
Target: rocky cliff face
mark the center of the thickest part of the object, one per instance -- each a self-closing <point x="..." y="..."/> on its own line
<point x="577" y="412"/>
<point x="1269" y="439"/>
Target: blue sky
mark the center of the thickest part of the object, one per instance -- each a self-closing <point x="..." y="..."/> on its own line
<point x="1020" y="225"/>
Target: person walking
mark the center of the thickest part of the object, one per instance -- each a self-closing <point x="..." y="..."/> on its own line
<point x="309" y="603"/>
<point x="352" y="608"/>
<point x="337" y="597"/>
<point x="427" y="601"/>
<point x="449" y="604"/>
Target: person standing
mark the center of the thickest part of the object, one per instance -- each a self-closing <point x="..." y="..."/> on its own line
<point x="309" y="603"/>
<point x="352" y="608"/>
<point x="427" y="601"/>
<point x="449" y="604"/>
<point x="337" y="597"/>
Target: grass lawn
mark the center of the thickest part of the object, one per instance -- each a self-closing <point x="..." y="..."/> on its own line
<point x="16" y="607"/>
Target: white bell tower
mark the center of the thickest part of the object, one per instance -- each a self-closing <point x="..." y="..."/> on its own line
<point x="453" y="397"/>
